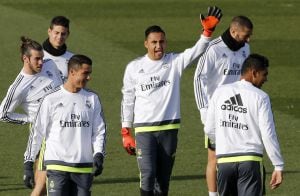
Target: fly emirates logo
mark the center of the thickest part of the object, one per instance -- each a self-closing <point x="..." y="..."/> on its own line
<point x="154" y="83"/>
<point x="75" y="121"/>
<point x="234" y="104"/>
<point x="235" y="70"/>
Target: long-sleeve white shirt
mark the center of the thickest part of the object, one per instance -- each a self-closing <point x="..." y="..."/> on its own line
<point x="240" y="122"/>
<point x="151" y="88"/>
<point x="74" y="128"/>
<point x="217" y="66"/>
<point x="27" y="91"/>
<point x="61" y="62"/>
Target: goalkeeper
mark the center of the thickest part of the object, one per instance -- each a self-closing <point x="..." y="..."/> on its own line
<point x="151" y="104"/>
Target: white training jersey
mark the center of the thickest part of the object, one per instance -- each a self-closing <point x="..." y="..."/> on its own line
<point x="240" y="122"/>
<point x="217" y="66"/>
<point x="61" y="62"/>
<point x="73" y="126"/>
<point x="27" y="91"/>
<point x="151" y="89"/>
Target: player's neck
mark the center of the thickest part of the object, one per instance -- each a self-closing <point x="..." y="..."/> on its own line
<point x="71" y="87"/>
<point x="27" y="70"/>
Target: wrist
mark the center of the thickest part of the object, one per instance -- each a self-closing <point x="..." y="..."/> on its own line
<point x="126" y="124"/>
<point x="207" y="33"/>
<point x="28" y="165"/>
<point x="278" y="167"/>
<point x="125" y="131"/>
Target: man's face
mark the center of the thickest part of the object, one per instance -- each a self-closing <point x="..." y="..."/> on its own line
<point x="156" y="44"/>
<point x="242" y="34"/>
<point x="34" y="63"/>
<point x="260" y="77"/>
<point x="58" y="35"/>
<point x="81" y="76"/>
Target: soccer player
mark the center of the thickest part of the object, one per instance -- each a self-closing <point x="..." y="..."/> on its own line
<point x="151" y="104"/>
<point x="35" y="80"/>
<point x="240" y="122"/>
<point x="71" y="121"/>
<point x="55" y="47"/>
<point x="220" y="64"/>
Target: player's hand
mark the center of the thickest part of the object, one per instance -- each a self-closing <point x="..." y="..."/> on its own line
<point x="210" y="22"/>
<point x="28" y="177"/>
<point x="98" y="164"/>
<point x="276" y="179"/>
<point x="128" y="141"/>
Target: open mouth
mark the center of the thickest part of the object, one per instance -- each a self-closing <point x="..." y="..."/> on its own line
<point x="159" y="52"/>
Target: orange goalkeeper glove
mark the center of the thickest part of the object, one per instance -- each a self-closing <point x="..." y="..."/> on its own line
<point x="128" y="141"/>
<point x="210" y="22"/>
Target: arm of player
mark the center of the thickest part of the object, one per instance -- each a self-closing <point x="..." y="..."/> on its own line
<point x="269" y="137"/>
<point x="210" y="124"/>
<point x="209" y="23"/>
<point x="201" y="78"/>
<point x="37" y="132"/>
<point x="9" y="104"/>
<point x="128" y="99"/>
<point x="98" y="138"/>
<point x="99" y="129"/>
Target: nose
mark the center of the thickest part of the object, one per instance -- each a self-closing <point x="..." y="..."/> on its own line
<point x="158" y="45"/>
<point x="60" y="36"/>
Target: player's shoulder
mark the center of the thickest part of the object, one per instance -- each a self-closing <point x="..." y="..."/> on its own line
<point x="216" y="45"/>
<point x="252" y="90"/>
<point x="135" y="61"/>
<point x="20" y="84"/>
<point x="49" y="67"/>
<point x="226" y="87"/>
<point x="68" y="54"/>
<point x="133" y="65"/>
<point x="47" y="62"/>
<point x="52" y="97"/>
<point x="217" y="42"/>
<point x="90" y="92"/>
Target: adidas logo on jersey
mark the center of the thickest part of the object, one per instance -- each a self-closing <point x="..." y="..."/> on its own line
<point x="234" y="103"/>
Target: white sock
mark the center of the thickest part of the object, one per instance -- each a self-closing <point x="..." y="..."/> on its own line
<point x="212" y="193"/>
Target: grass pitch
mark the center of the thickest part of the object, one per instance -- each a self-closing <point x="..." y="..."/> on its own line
<point x="111" y="33"/>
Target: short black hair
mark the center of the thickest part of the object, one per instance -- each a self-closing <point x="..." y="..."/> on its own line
<point x="27" y="45"/>
<point x="255" y="62"/>
<point x="153" y="29"/>
<point x="78" y="60"/>
<point x="60" y="21"/>
<point x="243" y="21"/>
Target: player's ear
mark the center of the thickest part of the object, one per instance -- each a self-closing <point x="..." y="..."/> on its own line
<point x="71" y="71"/>
<point x="146" y="43"/>
<point x="49" y="31"/>
<point x="254" y="73"/>
<point x="24" y="58"/>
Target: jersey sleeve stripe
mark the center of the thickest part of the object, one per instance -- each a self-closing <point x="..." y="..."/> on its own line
<point x="8" y="101"/>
